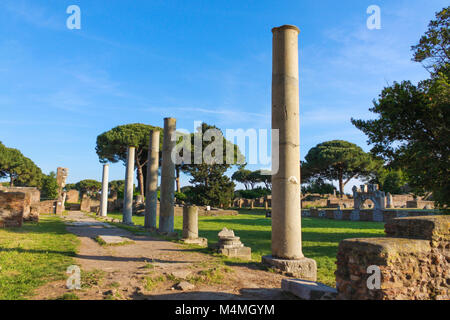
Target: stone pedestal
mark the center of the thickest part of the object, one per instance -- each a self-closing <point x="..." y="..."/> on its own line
<point x="104" y="199"/>
<point x="128" y="195"/>
<point x="303" y="268"/>
<point x="167" y="195"/>
<point x="151" y="199"/>
<point x="287" y="253"/>
<point x="229" y="245"/>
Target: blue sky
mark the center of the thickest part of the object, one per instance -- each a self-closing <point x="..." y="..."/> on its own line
<point x="141" y="61"/>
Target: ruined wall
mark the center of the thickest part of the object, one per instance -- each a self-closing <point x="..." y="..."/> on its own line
<point x="12" y="206"/>
<point x="32" y="198"/>
<point x="399" y="200"/>
<point x="420" y="204"/>
<point x="414" y="260"/>
<point x="47" y="207"/>
<point x="73" y="196"/>
<point x="362" y="215"/>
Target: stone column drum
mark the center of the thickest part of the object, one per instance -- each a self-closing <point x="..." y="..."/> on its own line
<point x="151" y="199"/>
<point x="128" y="196"/>
<point x="287" y="253"/>
<point x="104" y="199"/>
<point x="190" y="227"/>
<point x="167" y="193"/>
<point x="190" y="222"/>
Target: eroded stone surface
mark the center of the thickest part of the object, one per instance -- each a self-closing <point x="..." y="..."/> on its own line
<point x="303" y="268"/>
<point x="113" y="239"/>
<point x="308" y="290"/>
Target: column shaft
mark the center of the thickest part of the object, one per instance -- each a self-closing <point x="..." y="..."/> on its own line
<point x="151" y="199"/>
<point x="286" y="215"/>
<point x="167" y="192"/>
<point x="104" y="199"/>
<point x="128" y="196"/>
<point x="190" y="222"/>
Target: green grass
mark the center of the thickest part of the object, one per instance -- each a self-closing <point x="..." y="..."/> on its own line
<point x="33" y="255"/>
<point x="320" y="236"/>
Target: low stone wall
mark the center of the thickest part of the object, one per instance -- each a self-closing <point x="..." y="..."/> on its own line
<point x="12" y="206"/>
<point x="363" y="215"/>
<point x="420" y="204"/>
<point x="414" y="262"/>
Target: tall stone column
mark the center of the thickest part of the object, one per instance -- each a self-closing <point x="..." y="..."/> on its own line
<point x="104" y="200"/>
<point x="167" y="192"/>
<point x="61" y="176"/>
<point x="286" y="209"/>
<point x="128" y="195"/>
<point x="151" y="199"/>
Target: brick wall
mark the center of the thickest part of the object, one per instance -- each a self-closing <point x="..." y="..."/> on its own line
<point x="414" y="261"/>
<point x="12" y="205"/>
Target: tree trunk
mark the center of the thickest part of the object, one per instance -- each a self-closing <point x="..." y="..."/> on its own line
<point x="177" y="180"/>
<point x="11" y="181"/>
<point x="140" y="180"/>
<point x="341" y="185"/>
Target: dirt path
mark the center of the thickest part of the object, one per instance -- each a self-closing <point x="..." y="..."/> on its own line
<point x="149" y="268"/>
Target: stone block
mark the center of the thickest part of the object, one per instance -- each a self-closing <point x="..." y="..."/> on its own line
<point x="433" y="228"/>
<point x="304" y="268"/>
<point x="244" y="253"/>
<point x="308" y="290"/>
<point x="203" y="242"/>
<point x="113" y="240"/>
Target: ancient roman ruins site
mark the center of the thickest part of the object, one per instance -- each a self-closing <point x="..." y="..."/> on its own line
<point x="186" y="215"/>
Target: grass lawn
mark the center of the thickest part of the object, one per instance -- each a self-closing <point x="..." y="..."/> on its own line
<point x="320" y="236"/>
<point x="33" y="255"/>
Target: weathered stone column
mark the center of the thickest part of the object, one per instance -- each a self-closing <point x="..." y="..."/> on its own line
<point x="286" y="209"/>
<point x="104" y="200"/>
<point x="128" y="195"/>
<point x="61" y="176"/>
<point x="167" y="192"/>
<point x="151" y="199"/>
<point x="190" y="227"/>
<point x="190" y="222"/>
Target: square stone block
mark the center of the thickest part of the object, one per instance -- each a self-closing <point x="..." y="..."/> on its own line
<point x="304" y="268"/>
<point x="244" y="253"/>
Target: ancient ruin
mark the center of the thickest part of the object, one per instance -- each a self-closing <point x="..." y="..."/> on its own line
<point x="412" y="261"/>
<point x="287" y="255"/>
<point x="128" y="196"/>
<point x="190" y="227"/>
<point x="151" y="200"/>
<point x="61" y="176"/>
<point x="231" y="246"/>
<point x="167" y="193"/>
<point x="104" y="198"/>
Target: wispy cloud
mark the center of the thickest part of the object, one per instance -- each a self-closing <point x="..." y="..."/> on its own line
<point x="34" y="14"/>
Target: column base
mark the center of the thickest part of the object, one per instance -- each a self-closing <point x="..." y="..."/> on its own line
<point x="304" y="268"/>
<point x="172" y="234"/>
<point x="202" y="242"/>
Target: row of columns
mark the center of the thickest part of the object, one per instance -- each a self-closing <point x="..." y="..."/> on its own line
<point x="167" y="195"/>
<point x="287" y="252"/>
